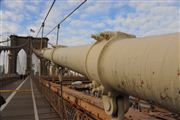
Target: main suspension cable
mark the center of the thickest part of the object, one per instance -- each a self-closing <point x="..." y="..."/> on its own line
<point x="65" y="18"/>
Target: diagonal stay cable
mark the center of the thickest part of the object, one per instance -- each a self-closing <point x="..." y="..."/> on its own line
<point x="66" y="17"/>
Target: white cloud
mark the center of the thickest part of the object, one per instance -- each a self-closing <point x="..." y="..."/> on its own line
<point x="14" y="4"/>
<point x="10" y="16"/>
<point x="15" y="14"/>
<point x="74" y="41"/>
<point x="9" y="27"/>
<point x="146" y="18"/>
<point x="20" y="6"/>
<point x="96" y="8"/>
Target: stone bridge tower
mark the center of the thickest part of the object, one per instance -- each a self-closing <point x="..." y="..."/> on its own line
<point x="25" y="42"/>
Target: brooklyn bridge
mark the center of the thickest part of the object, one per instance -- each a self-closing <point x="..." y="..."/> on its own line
<point x="118" y="77"/>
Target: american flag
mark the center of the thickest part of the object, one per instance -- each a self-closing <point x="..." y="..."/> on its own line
<point x="31" y="30"/>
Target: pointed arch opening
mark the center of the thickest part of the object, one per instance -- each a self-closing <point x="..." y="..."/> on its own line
<point x="2" y="62"/>
<point x="21" y="62"/>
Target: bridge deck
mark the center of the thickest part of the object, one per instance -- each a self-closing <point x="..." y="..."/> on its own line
<point x="23" y="104"/>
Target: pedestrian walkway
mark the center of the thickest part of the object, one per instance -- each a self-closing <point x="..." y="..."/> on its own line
<point x="27" y="103"/>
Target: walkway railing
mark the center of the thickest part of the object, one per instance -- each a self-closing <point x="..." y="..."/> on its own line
<point x="75" y="106"/>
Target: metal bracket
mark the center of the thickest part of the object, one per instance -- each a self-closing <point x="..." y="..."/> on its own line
<point x="116" y="106"/>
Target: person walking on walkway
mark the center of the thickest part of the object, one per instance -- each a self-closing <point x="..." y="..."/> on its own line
<point x="2" y="101"/>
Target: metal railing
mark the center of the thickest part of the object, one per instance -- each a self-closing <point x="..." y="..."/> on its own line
<point x="76" y="105"/>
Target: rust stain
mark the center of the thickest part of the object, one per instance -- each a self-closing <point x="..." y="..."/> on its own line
<point x="163" y="95"/>
<point x="142" y="82"/>
<point x="178" y="72"/>
<point x="123" y="83"/>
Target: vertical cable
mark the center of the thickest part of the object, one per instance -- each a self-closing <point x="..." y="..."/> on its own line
<point x="66" y="17"/>
<point x="42" y="35"/>
<point x="57" y="34"/>
<point x="4" y="62"/>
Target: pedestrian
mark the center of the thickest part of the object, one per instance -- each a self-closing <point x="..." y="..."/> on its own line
<point x="2" y="101"/>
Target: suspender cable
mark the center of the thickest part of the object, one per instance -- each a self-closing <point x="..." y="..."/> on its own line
<point x="66" y="17"/>
<point x="46" y="17"/>
<point x="38" y="31"/>
<point x="42" y="35"/>
<point x="57" y="34"/>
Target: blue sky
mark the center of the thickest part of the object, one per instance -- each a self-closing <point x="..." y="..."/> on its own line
<point x="138" y="17"/>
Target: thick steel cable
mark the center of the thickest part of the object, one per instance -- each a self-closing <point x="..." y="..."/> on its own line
<point x="46" y="17"/>
<point x="39" y="31"/>
<point x="49" y="11"/>
<point x="42" y="26"/>
<point x="66" y="17"/>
